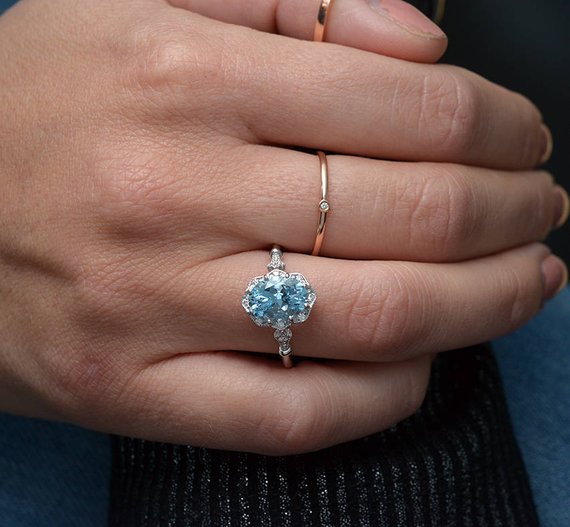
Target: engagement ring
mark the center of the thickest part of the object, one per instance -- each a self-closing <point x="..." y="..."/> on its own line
<point x="279" y="299"/>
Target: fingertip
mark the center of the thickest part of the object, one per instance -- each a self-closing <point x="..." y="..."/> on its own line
<point x="392" y="28"/>
<point x="407" y="17"/>
<point x="389" y="27"/>
<point x="554" y="276"/>
<point x="562" y="206"/>
<point x="535" y="250"/>
<point x="547" y="144"/>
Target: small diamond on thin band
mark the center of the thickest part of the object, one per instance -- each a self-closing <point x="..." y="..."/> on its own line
<point x="324" y="205"/>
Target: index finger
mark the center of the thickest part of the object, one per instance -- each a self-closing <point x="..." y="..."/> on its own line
<point x="270" y="89"/>
<point x="347" y="101"/>
<point x="391" y="27"/>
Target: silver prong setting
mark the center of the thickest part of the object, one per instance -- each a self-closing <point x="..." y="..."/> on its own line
<point x="279" y="299"/>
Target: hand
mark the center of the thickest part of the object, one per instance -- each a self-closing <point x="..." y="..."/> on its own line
<point x="144" y="178"/>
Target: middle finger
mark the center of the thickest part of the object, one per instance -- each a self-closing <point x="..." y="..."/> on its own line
<point x="386" y="210"/>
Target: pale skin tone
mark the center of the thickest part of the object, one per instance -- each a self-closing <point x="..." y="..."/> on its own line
<point x="145" y="174"/>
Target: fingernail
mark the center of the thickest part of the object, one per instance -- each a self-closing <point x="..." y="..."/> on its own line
<point x="554" y="276"/>
<point x="561" y="206"/>
<point x="407" y="17"/>
<point x="547" y="143"/>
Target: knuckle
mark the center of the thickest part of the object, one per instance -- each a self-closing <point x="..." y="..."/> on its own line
<point x="304" y="423"/>
<point x="167" y="61"/>
<point x="86" y="384"/>
<point x="449" y="111"/>
<point x="442" y="214"/>
<point x="380" y="315"/>
<point x="134" y="190"/>
<point x="368" y="317"/>
<point x="162" y="61"/>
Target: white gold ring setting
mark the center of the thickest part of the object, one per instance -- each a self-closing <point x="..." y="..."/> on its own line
<point x="279" y="299"/>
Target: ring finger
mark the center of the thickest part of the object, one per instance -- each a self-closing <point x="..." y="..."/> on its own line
<point x="376" y="311"/>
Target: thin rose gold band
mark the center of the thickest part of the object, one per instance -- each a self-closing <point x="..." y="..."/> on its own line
<point x="322" y="18"/>
<point x="319" y="36"/>
<point x="324" y="206"/>
<point x="287" y="361"/>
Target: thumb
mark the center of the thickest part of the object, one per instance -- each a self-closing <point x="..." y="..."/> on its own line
<point x="389" y="27"/>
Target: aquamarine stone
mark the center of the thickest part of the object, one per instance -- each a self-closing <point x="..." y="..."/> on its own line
<point x="277" y="298"/>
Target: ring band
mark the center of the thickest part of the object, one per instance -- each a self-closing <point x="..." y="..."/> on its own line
<point x="279" y="299"/>
<point x="324" y="205"/>
<point x="439" y="11"/>
<point x="322" y="19"/>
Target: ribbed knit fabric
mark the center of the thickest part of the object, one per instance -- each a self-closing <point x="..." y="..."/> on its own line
<point x="454" y="463"/>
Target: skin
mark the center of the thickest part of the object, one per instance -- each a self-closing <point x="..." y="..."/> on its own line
<point x="145" y="174"/>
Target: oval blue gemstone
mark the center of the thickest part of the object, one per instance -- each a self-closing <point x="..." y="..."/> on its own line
<point x="277" y="298"/>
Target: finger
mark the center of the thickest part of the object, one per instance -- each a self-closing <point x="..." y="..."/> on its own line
<point x="377" y="311"/>
<point x="386" y="210"/>
<point x="396" y="110"/>
<point x="234" y="401"/>
<point x="366" y="104"/>
<point x="389" y="27"/>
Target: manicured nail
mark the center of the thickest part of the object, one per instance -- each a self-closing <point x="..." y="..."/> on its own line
<point x="408" y="17"/>
<point x="548" y="144"/>
<point x="554" y="276"/>
<point x="561" y="206"/>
